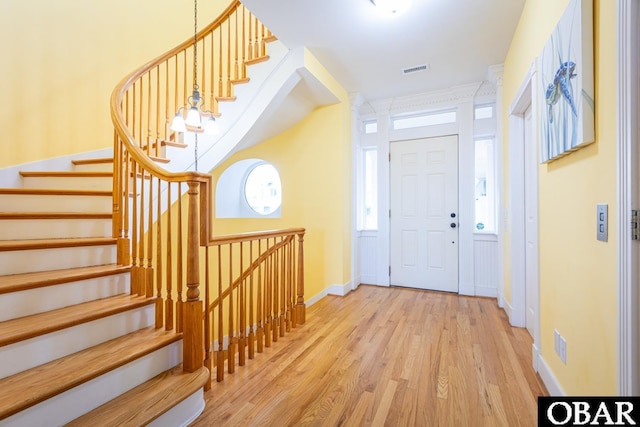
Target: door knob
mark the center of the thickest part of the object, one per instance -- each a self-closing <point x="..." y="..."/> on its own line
<point x="453" y="225"/>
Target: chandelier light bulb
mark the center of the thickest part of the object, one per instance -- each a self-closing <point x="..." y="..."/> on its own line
<point x="193" y="118"/>
<point x="178" y="125"/>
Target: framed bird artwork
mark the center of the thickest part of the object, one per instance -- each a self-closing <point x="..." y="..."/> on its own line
<point x="565" y="69"/>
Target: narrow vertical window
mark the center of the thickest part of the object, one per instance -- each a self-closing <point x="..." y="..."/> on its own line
<point x="369" y="196"/>
<point x="485" y="209"/>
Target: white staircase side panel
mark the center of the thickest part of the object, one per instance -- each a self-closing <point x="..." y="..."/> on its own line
<point x="27" y="261"/>
<point x="26" y="229"/>
<point x="184" y="413"/>
<point x="68" y="183"/>
<point x="36" y="351"/>
<point x="79" y="400"/>
<point x="40" y="300"/>
<point x="230" y="112"/>
<point x="54" y="203"/>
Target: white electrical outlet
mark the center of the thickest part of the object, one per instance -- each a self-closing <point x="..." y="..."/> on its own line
<point x="563" y="349"/>
<point x="556" y="342"/>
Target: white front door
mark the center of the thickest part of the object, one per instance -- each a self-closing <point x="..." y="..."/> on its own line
<point x="424" y="213"/>
<point x="530" y="223"/>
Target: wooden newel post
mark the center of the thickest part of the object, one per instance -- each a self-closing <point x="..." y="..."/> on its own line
<point x="193" y="335"/>
<point x="300" y="306"/>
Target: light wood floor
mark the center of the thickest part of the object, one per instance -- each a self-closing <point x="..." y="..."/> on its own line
<point x="387" y="356"/>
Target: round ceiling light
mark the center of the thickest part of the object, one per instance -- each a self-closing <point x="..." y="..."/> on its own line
<point x="392" y="7"/>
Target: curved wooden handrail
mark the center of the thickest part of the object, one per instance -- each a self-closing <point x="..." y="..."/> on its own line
<point x="117" y="96"/>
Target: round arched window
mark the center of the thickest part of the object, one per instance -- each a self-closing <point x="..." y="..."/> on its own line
<point x="263" y="190"/>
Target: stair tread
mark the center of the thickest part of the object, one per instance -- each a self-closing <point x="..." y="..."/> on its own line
<point x="143" y="404"/>
<point x="56" y="192"/>
<point x="225" y="98"/>
<point x="23" y="328"/>
<point x="241" y="81"/>
<point x="80" y="174"/>
<point x="20" y="282"/>
<point x="33" y="386"/>
<point x="56" y="215"/>
<point x="257" y="60"/>
<point x="13" y="245"/>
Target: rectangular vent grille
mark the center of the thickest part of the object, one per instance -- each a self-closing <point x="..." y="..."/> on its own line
<point x="416" y="69"/>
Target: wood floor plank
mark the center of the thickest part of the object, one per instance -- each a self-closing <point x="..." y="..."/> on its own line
<point x="387" y="356"/>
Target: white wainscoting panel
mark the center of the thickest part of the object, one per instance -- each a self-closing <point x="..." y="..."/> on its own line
<point x="485" y="264"/>
<point x="368" y="257"/>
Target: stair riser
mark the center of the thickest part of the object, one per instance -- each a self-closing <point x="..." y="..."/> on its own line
<point x="94" y="167"/>
<point x="27" y="261"/>
<point x="69" y="183"/>
<point x="36" y="351"/>
<point x="73" y="403"/>
<point x="40" y="300"/>
<point x="54" y="203"/>
<point x="25" y="229"/>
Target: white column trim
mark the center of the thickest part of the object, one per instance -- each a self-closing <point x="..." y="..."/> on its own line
<point x="627" y="166"/>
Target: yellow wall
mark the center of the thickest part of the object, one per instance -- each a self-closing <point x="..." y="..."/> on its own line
<point x="577" y="272"/>
<point x="313" y="159"/>
<point x="61" y="60"/>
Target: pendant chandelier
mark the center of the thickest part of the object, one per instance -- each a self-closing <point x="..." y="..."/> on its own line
<point x="197" y="120"/>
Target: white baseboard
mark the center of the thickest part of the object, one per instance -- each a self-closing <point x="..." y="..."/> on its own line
<point x="482" y="291"/>
<point x="339" y="290"/>
<point x="553" y="386"/>
<point x="508" y="309"/>
<point x="535" y="357"/>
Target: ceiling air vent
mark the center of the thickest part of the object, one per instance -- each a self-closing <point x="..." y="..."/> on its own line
<point x="415" y="69"/>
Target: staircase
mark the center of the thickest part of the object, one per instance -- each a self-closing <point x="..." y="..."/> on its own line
<point x="75" y="344"/>
<point x="93" y="331"/>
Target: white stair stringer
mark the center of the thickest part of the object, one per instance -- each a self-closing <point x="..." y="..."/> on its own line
<point x="79" y="400"/>
<point x="33" y="260"/>
<point x="39" y="300"/>
<point x="280" y="93"/>
<point x="36" y="351"/>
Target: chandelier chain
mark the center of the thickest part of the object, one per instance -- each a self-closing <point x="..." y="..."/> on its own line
<point x="195" y="44"/>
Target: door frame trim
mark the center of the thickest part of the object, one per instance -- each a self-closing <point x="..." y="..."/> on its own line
<point x="524" y="98"/>
<point x="628" y="45"/>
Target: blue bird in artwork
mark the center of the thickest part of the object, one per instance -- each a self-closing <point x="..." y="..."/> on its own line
<point x="561" y="86"/>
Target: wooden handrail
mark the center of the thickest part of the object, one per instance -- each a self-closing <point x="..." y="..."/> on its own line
<point x="254" y="265"/>
<point x="261" y="302"/>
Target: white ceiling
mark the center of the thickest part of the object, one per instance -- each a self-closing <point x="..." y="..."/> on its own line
<point x="365" y="51"/>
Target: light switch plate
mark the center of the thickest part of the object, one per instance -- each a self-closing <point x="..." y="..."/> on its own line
<point x="602" y="232"/>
